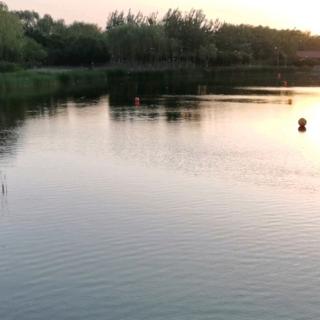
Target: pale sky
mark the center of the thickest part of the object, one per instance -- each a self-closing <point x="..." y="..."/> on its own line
<point x="275" y="13"/>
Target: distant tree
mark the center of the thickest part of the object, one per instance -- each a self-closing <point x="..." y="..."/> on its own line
<point x="178" y="37"/>
<point x="119" y="18"/>
<point x="11" y="36"/>
<point x="86" y="44"/>
<point x="3" y="6"/>
<point x="191" y="31"/>
<point x="115" y="19"/>
<point x="33" y="53"/>
<point x="29" y="20"/>
<point x="208" y="54"/>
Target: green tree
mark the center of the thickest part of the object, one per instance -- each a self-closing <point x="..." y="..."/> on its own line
<point x="208" y="54"/>
<point x="29" y="20"/>
<point x="86" y="44"/>
<point x="33" y="53"/>
<point x="191" y="31"/>
<point x="11" y="36"/>
<point x="3" y="6"/>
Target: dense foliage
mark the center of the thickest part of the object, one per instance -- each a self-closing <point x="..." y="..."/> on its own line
<point x="177" y="38"/>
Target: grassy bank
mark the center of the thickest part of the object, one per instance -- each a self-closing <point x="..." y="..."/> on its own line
<point x="49" y="81"/>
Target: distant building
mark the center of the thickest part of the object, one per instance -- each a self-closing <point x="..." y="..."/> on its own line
<point x="308" y="55"/>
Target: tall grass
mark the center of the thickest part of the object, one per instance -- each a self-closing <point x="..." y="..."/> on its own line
<point x="38" y="82"/>
<point x="33" y="82"/>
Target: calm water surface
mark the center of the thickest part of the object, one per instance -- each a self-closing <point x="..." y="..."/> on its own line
<point x="194" y="206"/>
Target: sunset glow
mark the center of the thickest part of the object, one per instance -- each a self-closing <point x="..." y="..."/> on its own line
<point x="278" y="14"/>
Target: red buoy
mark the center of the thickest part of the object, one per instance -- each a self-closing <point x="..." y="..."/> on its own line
<point x="137" y="101"/>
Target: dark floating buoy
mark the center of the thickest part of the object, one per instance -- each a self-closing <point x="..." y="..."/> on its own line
<point x="302" y="124"/>
<point x="4" y="186"/>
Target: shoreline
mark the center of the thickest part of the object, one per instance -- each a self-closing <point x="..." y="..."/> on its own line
<point x="132" y="67"/>
<point x="50" y="80"/>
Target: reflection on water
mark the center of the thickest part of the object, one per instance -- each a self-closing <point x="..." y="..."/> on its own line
<point x="201" y="203"/>
<point x="250" y="135"/>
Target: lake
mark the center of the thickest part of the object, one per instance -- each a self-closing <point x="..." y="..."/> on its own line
<point x="201" y="203"/>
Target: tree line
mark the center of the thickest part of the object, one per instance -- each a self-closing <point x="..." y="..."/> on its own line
<point x="176" y="38"/>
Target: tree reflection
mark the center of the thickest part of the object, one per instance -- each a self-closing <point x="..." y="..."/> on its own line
<point x="16" y="109"/>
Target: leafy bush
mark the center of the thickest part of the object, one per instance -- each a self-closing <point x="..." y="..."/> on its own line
<point x="9" y="66"/>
